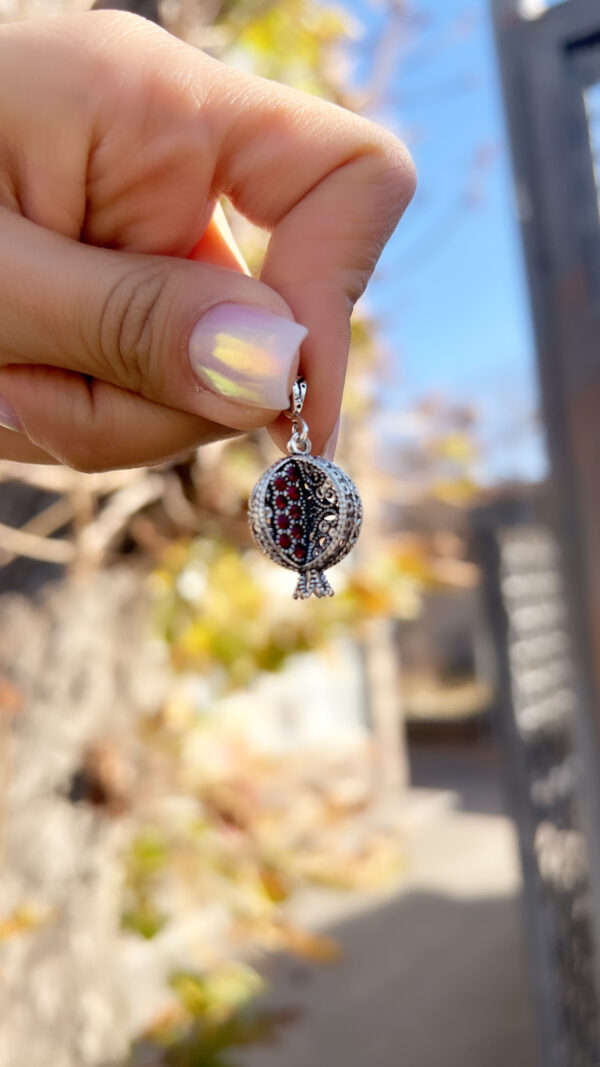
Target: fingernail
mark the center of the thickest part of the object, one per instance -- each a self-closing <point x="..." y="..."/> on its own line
<point x="330" y="447"/>
<point x="8" y="417"/>
<point x="247" y="355"/>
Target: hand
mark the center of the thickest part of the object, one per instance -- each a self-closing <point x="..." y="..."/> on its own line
<point x="128" y="331"/>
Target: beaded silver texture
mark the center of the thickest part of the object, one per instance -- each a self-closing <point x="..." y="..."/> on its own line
<point x="305" y="513"/>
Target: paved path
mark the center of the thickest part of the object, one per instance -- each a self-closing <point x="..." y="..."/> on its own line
<point x="433" y="975"/>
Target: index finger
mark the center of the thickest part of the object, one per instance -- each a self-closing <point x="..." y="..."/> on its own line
<point x="329" y="185"/>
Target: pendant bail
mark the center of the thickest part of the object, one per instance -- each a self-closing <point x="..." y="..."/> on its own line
<point x="299" y="442"/>
<point x="298" y="396"/>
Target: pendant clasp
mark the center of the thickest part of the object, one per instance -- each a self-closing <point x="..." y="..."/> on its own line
<point x="299" y="442"/>
<point x="298" y="397"/>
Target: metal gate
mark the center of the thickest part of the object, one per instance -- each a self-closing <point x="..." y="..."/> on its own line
<point x="550" y="67"/>
<point x="537" y="700"/>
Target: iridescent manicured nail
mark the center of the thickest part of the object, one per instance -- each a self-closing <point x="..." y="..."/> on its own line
<point x="247" y="355"/>
<point x="8" y="417"/>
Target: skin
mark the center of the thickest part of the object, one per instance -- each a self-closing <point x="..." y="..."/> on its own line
<point x="116" y="143"/>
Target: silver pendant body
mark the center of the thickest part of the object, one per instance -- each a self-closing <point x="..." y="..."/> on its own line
<point x="305" y="514"/>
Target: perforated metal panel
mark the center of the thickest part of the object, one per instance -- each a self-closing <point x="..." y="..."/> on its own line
<point x="550" y="66"/>
<point x="536" y="715"/>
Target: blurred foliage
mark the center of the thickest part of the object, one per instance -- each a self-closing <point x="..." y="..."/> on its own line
<point x="294" y="41"/>
<point x="225" y="614"/>
<point x="248" y="836"/>
<point x="24" y="918"/>
<point x="213" y="1016"/>
<point x="298" y="42"/>
<point x="228" y="851"/>
<point x="147" y="857"/>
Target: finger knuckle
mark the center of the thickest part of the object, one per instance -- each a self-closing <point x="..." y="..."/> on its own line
<point x="131" y="326"/>
<point x="117" y="23"/>
<point x="123" y="59"/>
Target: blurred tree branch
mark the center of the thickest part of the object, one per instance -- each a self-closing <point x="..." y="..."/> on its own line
<point x="35" y="546"/>
<point x="148" y="9"/>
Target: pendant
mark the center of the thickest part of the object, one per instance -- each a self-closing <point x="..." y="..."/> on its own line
<point x="305" y="513"/>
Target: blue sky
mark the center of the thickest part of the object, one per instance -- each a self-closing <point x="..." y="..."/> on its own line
<point x="450" y="291"/>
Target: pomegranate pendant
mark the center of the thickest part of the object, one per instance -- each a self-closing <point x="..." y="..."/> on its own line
<point x="305" y="513"/>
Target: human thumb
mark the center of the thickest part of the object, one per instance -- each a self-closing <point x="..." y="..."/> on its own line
<point x="186" y="336"/>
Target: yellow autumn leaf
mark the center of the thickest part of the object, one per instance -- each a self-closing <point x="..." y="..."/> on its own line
<point x="318" y="947"/>
<point x="458" y="447"/>
<point x="455" y="491"/>
<point x="25" y="917"/>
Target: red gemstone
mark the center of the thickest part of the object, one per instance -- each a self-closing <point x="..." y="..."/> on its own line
<point x="294" y="492"/>
<point x="283" y="522"/>
<point x="296" y="511"/>
<point x="284" y="540"/>
<point x="280" y="483"/>
<point x="280" y="502"/>
<point x="292" y="474"/>
<point x="296" y="532"/>
<point x="299" y="552"/>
